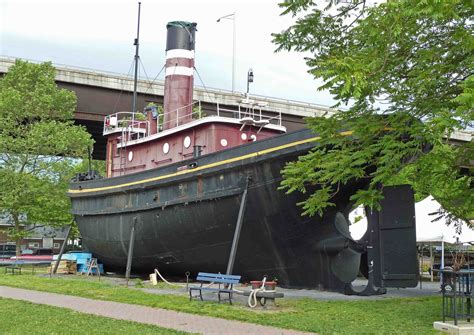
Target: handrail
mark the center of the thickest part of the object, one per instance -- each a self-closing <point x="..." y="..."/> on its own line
<point x="128" y="120"/>
<point x="125" y="121"/>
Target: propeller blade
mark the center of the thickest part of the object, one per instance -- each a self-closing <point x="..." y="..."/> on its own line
<point x="342" y="225"/>
<point x="345" y="265"/>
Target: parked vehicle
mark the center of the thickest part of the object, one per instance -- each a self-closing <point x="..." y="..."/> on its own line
<point x="43" y="252"/>
<point x="7" y="250"/>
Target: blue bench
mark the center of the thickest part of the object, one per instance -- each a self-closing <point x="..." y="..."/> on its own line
<point x="226" y="285"/>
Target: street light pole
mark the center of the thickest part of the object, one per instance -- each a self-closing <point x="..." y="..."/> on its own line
<point x="233" y="52"/>
<point x="232" y="17"/>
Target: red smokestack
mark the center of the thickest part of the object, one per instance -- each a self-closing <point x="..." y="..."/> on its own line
<point x="179" y="74"/>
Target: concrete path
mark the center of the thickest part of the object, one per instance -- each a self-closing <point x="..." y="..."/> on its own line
<point x="153" y="316"/>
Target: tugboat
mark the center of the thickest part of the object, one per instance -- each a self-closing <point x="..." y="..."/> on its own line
<point x="201" y="192"/>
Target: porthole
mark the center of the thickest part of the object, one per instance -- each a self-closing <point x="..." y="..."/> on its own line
<point x="253" y="137"/>
<point x="166" y="148"/>
<point x="243" y="136"/>
<point x="224" y="142"/>
<point x="187" y="141"/>
<point x="130" y="156"/>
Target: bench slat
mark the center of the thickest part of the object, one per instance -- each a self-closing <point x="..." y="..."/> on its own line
<point x="214" y="275"/>
<point x="218" y="280"/>
<point x="214" y="289"/>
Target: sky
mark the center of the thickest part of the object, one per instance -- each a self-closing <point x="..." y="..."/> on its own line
<point x="99" y="35"/>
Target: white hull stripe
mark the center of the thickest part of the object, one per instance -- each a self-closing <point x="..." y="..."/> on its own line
<point x="180" y="53"/>
<point x="179" y="70"/>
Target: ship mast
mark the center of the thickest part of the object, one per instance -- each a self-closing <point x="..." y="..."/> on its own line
<point x="135" y="79"/>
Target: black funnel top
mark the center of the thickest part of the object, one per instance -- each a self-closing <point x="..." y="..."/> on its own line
<point x="180" y="35"/>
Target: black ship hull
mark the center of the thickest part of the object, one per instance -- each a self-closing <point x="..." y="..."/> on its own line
<point x="185" y="217"/>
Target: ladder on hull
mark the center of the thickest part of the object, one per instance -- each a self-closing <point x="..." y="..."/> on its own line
<point x="123" y="150"/>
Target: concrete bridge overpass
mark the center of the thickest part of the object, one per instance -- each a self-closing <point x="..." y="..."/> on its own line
<point x="103" y="93"/>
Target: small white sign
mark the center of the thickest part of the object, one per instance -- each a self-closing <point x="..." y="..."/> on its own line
<point x="113" y="121"/>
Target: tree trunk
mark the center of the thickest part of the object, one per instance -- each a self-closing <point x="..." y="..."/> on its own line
<point x="17" y="235"/>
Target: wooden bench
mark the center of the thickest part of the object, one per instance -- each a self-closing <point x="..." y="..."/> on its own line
<point x="226" y="285"/>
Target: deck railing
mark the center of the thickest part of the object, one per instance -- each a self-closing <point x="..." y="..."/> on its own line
<point x="135" y="123"/>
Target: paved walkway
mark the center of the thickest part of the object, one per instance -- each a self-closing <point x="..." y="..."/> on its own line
<point x="153" y="316"/>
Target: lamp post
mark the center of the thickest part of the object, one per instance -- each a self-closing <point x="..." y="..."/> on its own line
<point x="249" y="80"/>
<point x="233" y="18"/>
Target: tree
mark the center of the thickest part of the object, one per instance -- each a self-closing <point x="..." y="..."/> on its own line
<point x="404" y="69"/>
<point x="38" y="141"/>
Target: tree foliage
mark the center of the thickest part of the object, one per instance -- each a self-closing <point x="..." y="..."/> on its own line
<point x="38" y="144"/>
<point x="404" y="69"/>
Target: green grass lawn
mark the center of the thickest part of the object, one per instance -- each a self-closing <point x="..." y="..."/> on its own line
<point x="21" y="317"/>
<point x="385" y="316"/>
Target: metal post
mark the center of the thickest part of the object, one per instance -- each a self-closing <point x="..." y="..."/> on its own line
<point x="130" y="251"/>
<point x="136" y="43"/>
<point x="442" y="260"/>
<point x="234" y="50"/>
<point x="431" y="261"/>
<point x="454" y="311"/>
<point x="232" y="17"/>
<point x="421" y="272"/>
<point x="238" y="228"/>
<point x="62" y="250"/>
<point x="89" y="158"/>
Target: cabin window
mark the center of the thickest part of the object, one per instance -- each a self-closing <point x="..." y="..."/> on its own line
<point x="130" y="156"/>
<point x="224" y="142"/>
<point x="56" y="245"/>
<point x="187" y="142"/>
<point x="243" y="136"/>
<point x="166" y="148"/>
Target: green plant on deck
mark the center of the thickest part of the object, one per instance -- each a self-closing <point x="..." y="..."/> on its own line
<point x="140" y="117"/>
<point x="198" y="113"/>
<point x="126" y="120"/>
